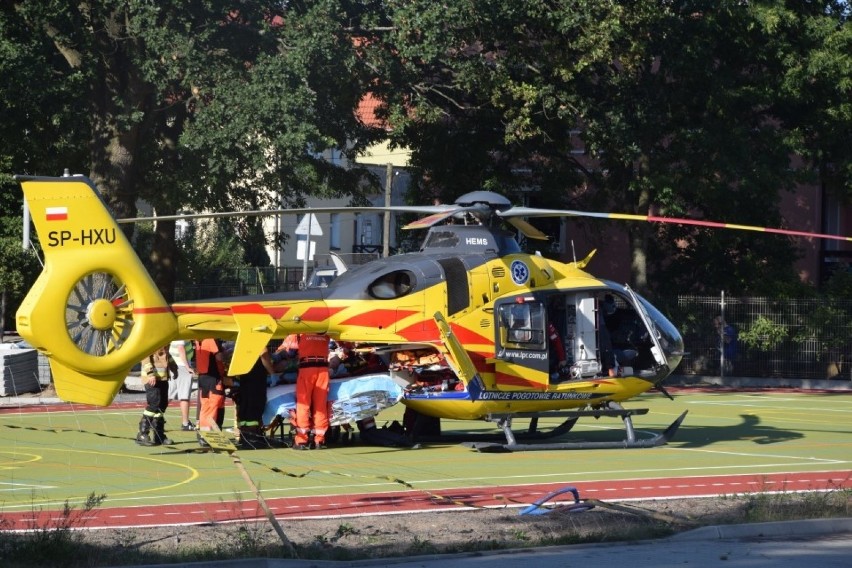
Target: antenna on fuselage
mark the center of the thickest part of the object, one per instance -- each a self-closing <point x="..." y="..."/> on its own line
<point x="573" y="252"/>
<point x="26" y="230"/>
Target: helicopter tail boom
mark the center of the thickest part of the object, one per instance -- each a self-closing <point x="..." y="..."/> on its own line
<point x="94" y="310"/>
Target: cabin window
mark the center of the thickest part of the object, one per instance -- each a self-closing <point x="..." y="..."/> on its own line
<point x="522" y="325"/>
<point x="392" y="285"/>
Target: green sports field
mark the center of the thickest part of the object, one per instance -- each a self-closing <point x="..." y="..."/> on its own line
<point x="55" y="454"/>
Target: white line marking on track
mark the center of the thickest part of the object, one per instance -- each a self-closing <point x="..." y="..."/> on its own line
<point x="751" y="455"/>
<point x="765" y="406"/>
<point x="23" y="486"/>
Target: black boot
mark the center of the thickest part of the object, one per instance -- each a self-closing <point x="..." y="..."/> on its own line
<point x="143" y="437"/>
<point x="252" y="438"/>
<point x="160" y="432"/>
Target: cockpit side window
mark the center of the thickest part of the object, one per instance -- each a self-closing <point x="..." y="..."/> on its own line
<point x="522" y="325"/>
<point x="392" y="285"/>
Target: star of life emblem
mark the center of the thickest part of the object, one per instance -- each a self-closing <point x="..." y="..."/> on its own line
<point x="520" y="272"/>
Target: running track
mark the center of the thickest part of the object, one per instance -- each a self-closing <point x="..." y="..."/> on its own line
<point x="414" y="501"/>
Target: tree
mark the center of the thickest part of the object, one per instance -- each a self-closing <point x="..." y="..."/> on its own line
<point x="203" y="105"/>
<point x="17" y="267"/>
<point x="814" y="40"/>
<point x="41" y="133"/>
<point x="674" y="106"/>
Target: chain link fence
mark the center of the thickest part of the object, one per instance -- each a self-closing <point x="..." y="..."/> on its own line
<point x="793" y="338"/>
<point x="243" y="282"/>
<point x="262" y="280"/>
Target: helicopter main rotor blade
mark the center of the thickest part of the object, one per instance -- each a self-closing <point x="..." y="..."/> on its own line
<point x="438" y="213"/>
<point x="426" y="222"/>
<point x="717" y="225"/>
<point x="299" y="211"/>
<point x="528" y="230"/>
<point x="478" y="210"/>
<point x="532" y="212"/>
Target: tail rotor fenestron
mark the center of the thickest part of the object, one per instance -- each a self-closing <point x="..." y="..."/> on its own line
<point x="99" y="314"/>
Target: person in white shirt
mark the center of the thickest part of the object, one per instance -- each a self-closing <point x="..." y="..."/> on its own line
<point x="180" y="389"/>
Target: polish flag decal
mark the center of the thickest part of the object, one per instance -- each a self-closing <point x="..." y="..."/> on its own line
<point x="56" y="213"/>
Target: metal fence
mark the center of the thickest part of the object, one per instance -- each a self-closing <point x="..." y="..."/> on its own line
<point x="262" y="279"/>
<point x="792" y="338"/>
<point x="244" y="281"/>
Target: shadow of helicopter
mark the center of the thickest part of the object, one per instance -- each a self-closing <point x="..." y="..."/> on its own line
<point x="750" y="429"/>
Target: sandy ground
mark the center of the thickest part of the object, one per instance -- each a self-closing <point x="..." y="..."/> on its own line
<point x="413" y="534"/>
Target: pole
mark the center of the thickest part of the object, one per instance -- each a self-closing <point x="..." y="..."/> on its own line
<point x="722" y="337"/>
<point x="386" y="226"/>
<point x="307" y="251"/>
<point x="305" y="261"/>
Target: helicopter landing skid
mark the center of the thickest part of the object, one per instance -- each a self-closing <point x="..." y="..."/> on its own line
<point x="630" y="441"/>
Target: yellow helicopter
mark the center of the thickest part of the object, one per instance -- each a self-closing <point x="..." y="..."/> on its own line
<point x="509" y="334"/>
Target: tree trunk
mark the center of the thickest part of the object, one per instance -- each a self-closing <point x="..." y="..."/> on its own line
<point x="119" y="95"/>
<point x="3" y="316"/>
<point x="638" y="260"/>
<point x="163" y="255"/>
<point x="122" y="114"/>
<point x="639" y="234"/>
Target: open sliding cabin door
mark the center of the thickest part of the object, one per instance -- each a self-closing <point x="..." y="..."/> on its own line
<point x="521" y="346"/>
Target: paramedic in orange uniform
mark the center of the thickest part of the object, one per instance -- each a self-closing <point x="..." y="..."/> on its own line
<point x="312" y="391"/>
<point x="210" y="365"/>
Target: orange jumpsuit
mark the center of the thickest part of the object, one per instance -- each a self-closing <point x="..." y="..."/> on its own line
<point x="210" y="385"/>
<point x="312" y="389"/>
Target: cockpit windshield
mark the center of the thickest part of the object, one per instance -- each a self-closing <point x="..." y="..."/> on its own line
<point x="665" y="335"/>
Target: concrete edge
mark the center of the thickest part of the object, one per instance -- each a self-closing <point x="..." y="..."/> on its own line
<point x="709" y="381"/>
<point x="779" y="529"/>
<point x="772" y="529"/>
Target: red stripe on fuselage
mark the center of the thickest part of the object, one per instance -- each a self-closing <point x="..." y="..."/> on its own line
<point x="153" y="310"/>
<point x="467" y="336"/>
<point x="426" y="330"/>
<point x="248" y="309"/>
<point x="378" y="318"/>
<point x="319" y="313"/>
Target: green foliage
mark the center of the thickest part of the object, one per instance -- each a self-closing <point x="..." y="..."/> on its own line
<point x="207" y="252"/>
<point x="773" y="506"/>
<point x="814" y="42"/>
<point x="599" y="105"/>
<point x="187" y="105"/>
<point x="839" y="285"/>
<point x="764" y="334"/>
<point x="647" y="108"/>
<point x="822" y="323"/>
<point x="56" y="543"/>
<point x="18" y="269"/>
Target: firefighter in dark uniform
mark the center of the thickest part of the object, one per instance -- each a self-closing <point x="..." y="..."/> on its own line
<point x="249" y="394"/>
<point x="157" y="369"/>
